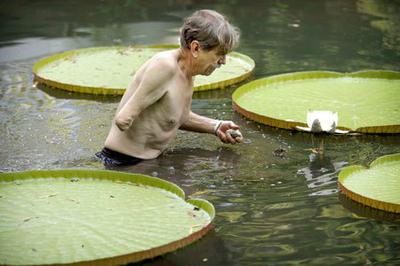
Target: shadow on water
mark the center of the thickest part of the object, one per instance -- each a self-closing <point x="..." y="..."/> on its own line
<point x="366" y="211"/>
<point x="209" y="250"/>
<point x="67" y="95"/>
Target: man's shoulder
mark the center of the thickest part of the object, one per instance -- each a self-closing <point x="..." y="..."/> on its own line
<point x="165" y="60"/>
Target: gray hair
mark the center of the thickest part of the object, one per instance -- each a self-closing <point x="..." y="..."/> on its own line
<point x="211" y="30"/>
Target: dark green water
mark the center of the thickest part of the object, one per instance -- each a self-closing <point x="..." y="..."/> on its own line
<point x="271" y="210"/>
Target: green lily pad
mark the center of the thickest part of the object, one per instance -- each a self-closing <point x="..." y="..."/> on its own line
<point x="108" y="70"/>
<point x="102" y="217"/>
<point x="366" y="102"/>
<point x="377" y="187"/>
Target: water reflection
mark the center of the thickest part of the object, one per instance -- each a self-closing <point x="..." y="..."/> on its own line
<point x="385" y="18"/>
<point x="321" y="172"/>
<point x="209" y="250"/>
<point x="39" y="129"/>
<point x="188" y="167"/>
<point x="28" y="48"/>
<point x="125" y="34"/>
<point x="135" y="33"/>
<point x="265" y="214"/>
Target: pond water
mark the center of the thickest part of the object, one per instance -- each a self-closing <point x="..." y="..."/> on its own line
<point x="277" y="202"/>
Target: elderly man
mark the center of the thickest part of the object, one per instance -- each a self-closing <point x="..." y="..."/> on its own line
<point x="158" y="100"/>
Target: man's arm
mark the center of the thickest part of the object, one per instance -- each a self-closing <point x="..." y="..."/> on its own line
<point x="151" y="88"/>
<point x="204" y="124"/>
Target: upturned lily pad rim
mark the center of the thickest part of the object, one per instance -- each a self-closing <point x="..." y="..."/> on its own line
<point x="374" y="203"/>
<point x="119" y="91"/>
<point x="124" y="177"/>
<point x="366" y="211"/>
<point x="291" y="125"/>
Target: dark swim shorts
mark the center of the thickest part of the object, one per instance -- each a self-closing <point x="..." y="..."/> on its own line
<point x="110" y="157"/>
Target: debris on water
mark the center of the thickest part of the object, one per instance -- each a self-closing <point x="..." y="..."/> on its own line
<point x="111" y="196"/>
<point x="194" y="226"/>
<point x="228" y="178"/>
<point x="315" y="150"/>
<point x="49" y="196"/>
<point x="280" y="152"/>
<point x="74" y="179"/>
<point x="247" y="141"/>
<point x="171" y="170"/>
<point x="198" y="193"/>
<point x="191" y="214"/>
<point x="73" y="200"/>
<point x="325" y="192"/>
<point x="27" y="219"/>
<point x="117" y="41"/>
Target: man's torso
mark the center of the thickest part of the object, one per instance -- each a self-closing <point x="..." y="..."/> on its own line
<point x="156" y="125"/>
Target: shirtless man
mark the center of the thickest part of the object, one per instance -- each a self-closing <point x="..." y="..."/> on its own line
<point x="158" y="100"/>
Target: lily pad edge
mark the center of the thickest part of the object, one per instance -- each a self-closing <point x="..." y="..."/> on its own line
<point x="347" y="171"/>
<point x="122" y="176"/>
<point x="291" y="124"/>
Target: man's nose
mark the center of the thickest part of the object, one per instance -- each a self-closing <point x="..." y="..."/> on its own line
<point x="222" y="60"/>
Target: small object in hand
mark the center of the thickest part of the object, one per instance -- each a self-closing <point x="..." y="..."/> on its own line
<point x="234" y="133"/>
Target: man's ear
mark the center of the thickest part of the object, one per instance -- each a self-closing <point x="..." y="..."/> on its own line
<point x="195" y="48"/>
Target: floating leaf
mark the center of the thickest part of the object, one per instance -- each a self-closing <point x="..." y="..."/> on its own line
<point x="366" y="101"/>
<point x="108" y="70"/>
<point x="103" y="217"/>
<point x="377" y="187"/>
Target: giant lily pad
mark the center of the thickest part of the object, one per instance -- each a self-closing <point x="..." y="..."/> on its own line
<point x="366" y="101"/>
<point x="377" y="187"/>
<point x="94" y="217"/>
<point x="108" y="70"/>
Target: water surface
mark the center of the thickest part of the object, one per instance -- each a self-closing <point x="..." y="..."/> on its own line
<point x="277" y="202"/>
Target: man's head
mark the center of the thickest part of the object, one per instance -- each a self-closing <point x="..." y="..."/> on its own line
<point x="211" y="30"/>
<point x="209" y="36"/>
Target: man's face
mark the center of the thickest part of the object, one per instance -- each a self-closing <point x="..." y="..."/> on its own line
<point x="211" y="60"/>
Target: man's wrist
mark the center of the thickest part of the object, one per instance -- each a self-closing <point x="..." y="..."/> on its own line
<point x="217" y="125"/>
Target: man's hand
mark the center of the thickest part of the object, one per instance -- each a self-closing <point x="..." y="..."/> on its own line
<point x="123" y="123"/>
<point x="228" y="132"/>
